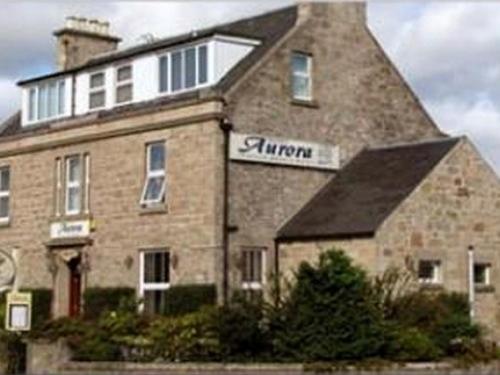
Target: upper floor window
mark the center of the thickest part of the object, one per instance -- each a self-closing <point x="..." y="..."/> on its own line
<point x="154" y="185"/>
<point x="429" y="271"/>
<point x="301" y="76"/>
<point x="73" y="185"/>
<point x="4" y="193"/>
<point x="123" y="84"/>
<point x="183" y="69"/>
<point x="482" y="273"/>
<point x="97" y="90"/>
<point x="155" y="280"/>
<point x="46" y="101"/>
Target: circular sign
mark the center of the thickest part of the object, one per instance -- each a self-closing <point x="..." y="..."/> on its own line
<point x="7" y="269"/>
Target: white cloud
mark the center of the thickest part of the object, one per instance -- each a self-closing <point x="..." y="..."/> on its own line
<point x="9" y="98"/>
<point x="479" y="120"/>
<point x="450" y="53"/>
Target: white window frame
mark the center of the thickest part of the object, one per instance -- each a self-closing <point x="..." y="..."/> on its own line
<point x="183" y="50"/>
<point x="119" y="84"/>
<point x="307" y="75"/>
<point x="96" y="90"/>
<point x="58" y="187"/>
<point x="254" y="285"/>
<point x="154" y="174"/>
<point x="6" y="194"/>
<point x="72" y="184"/>
<point x="36" y="89"/>
<point x="143" y="286"/>
<point x="487" y="275"/>
<point x="437" y="273"/>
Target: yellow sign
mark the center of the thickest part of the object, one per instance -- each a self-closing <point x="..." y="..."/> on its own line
<point x="18" y="317"/>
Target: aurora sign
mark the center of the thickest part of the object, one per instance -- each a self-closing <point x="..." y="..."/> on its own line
<point x="262" y="149"/>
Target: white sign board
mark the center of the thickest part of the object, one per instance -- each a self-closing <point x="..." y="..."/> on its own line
<point x="18" y="317"/>
<point x="261" y="149"/>
<point x="70" y="229"/>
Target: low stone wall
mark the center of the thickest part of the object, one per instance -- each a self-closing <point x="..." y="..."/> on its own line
<point x="108" y="368"/>
<point x="53" y="358"/>
<point x="44" y="357"/>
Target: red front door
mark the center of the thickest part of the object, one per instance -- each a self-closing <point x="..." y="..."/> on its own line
<point x="75" y="284"/>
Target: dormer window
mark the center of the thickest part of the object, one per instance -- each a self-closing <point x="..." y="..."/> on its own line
<point x="97" y="90"/>
<point x="183" y="69"/>
<point x="46" y="101"/>
<point x="124" y="85"/>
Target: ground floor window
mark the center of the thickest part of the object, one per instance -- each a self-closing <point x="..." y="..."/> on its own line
<point x="253" y="265"/>
<point x="155" y="279"/>
<point x="429" y="271"/>
<point x="482" y="273"/>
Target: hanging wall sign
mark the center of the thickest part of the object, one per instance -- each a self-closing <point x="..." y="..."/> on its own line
<point x="262" y="149"/>
<point x="18" y="316"/>
<point x="70" y="229"/>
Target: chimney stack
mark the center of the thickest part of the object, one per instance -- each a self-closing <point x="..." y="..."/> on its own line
<point x="81" y="39"/>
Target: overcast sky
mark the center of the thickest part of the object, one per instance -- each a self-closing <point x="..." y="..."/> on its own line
<point x="449" y="52"/>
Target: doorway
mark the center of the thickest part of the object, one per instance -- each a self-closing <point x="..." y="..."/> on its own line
<point x="75" y="287"/>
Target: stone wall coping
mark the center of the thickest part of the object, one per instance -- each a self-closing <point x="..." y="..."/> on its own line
<point x="217" y="367"/>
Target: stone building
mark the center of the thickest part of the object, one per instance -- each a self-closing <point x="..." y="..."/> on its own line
<point x="176" y="162"/>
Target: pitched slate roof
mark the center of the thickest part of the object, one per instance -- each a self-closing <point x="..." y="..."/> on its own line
<point x="366" y="191"/>
<point x="267" y="28"/>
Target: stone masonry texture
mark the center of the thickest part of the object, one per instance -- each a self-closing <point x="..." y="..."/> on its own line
<point x="359" y="100"/>
<point x="457" y="205"/>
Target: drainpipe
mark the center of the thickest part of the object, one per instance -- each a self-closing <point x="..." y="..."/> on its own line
<point x="470" y="256"/>
<point x="226" y="128"/>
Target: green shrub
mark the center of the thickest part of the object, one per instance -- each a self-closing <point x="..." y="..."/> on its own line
<point x="330" y="313"/>
<point x="410" y="345"/>
<point x="183" y="299"/>
<point x="100" y="300"/>
<point x="242" y="331"/>
<point x="188" y="337"/>
<point x="41" y="300"/>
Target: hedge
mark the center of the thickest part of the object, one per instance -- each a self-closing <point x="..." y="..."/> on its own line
<point x="98" y="300"/>
<point x="183" y="299"/>
<point x="41" y="300"/>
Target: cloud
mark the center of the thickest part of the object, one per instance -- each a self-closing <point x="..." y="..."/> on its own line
<point x="450" y="54"/>
<point x="9" y="98"/>
<point x="479" y="120"/>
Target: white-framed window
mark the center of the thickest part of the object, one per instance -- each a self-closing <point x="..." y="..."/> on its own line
<point x="124" y="84"/>
<point x="482" y="273"/>
<point x="4" y="194"/>
<point x="252" y="270"/>
<point x="154" y="279"/>
<point x="429" y="272"/>
<point x="47" y="100"/>
<point x="183" y="69"/>
<point x="154" y="184"/>
<point x="301" y="75"/>
<point x="97" y="90"/>
<point x="73" y="185"/>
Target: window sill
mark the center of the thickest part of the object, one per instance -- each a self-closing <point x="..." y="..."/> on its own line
<point x="484" y="288"/>
<point x="152" y="210"/>
<point x="5" y="223"/>
<point x="304" y="103"/>
<point x="431" y="286"/>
